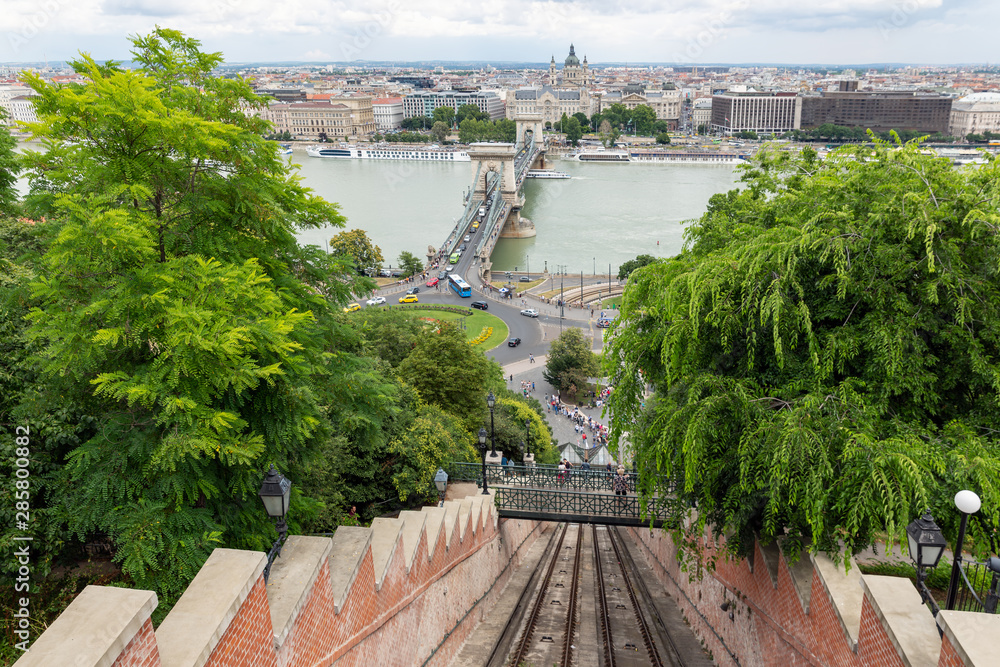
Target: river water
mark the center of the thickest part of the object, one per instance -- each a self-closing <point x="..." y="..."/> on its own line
<point x="605" y="214"/>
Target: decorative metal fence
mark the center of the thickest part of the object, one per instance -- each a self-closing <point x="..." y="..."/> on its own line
<point x="581" y="507"/>
<point x="538" y="477"/>
<point x="981" y="589"/>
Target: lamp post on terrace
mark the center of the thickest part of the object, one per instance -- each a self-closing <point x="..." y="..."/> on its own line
<point x="482" y="450"/>
<point x="441" y="482"/>
<point x="491" y="400"/>
<point x="926" y="543"/>
<point x="274" y="493"/>
<point x="967" y="503"/>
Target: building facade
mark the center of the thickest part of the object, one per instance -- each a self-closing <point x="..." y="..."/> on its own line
<point x="665" y="102"/>
<point x="388" y="113"/>
<point x="550" y="103"/>
<point x="879" y="111"/>
<point x="574" y="73"/>
<point x="425" y="102"/>
<point x="975" y="114"/>
<point x="701" y="112"/>
<point x="763" y="113"/>
<point x="334" y="119"/>
<point x="16" y="102"/>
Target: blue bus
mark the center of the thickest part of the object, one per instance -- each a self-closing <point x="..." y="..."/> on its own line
<point x="461" y="287"/>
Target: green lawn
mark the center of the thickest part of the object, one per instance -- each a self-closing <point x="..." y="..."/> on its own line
<point x="615" y="300"/>
<point x="473" y="325"/>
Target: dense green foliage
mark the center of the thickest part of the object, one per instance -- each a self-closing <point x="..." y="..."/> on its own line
<point x="570" y="362"/>
<point x="470" y="111"/>
<point x="503" y="130"/>
<point x="410" y="263"/>
<point x="824" y="353"/>
<point x="359" y="249"/>
<point x="9" y="169"/>
<point x="626" y="269"/>
<point x="444" y="115"/>
<point x="167" y="339"/>
<point x="831" y="132"/>
<point x="440" y="130"/>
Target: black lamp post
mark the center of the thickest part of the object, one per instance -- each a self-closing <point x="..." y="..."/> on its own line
<point x="527" y="436"/>
<point x="441" y="482"/>
<point x="491" y="400"/>
<point x="927" y="544"/>
<point x="482" y="449"/>
<point x="274" y="493"/>
<point x="967" y="503"/>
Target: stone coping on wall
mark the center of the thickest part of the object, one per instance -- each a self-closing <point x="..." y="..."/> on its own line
<point x="973" y="636"/>
<point x="907" y="621"/>
<point x="93" y="630"/>
<point x="196" y="624"/>
<point x="845" y="593"/>
<point x="291" y="579"/>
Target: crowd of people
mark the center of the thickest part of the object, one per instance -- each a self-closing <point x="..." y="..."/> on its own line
<point x="582" y="422"/>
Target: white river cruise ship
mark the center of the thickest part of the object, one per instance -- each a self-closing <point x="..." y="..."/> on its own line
<point x="429" y="154"/>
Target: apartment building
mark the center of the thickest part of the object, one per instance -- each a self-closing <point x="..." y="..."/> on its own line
<point x="975" y="114"/>
<point x="879" y="110"/>
<point x="388" y="113"/>
<point x="753" y="111"/>
<point x="425" y="102"/>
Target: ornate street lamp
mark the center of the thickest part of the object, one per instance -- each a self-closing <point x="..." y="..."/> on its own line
<point x="441" y="482"/>
<point x="527" y="436"/>
<point x="482" y="449"/>
<point x="491" y="400"/>
<point x="927" y="543"/>
<point x="274" y="493"/>
<point x="967" y="503"/>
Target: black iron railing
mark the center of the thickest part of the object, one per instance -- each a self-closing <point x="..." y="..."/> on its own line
<point x="567" y="503"/>
<point x="538" y="477"/>
<point x="979" y="589"/>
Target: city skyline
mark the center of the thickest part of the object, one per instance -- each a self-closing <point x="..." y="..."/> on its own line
<point x="712" y="31"/>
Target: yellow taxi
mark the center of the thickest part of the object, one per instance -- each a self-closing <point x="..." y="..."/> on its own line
<point x="351" y="307"/>
<point x="409" y="298"/>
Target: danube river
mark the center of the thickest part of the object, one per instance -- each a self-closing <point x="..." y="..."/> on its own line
<point x="605" y="214"/>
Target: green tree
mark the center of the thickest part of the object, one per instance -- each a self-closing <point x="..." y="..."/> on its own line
<point x="9" y="169"/>
<point x="663" y="138"/>
<point x="470" y="111"/>
<point x="703" y="129"/>
<point x="617" y="115"/>
<point x="626" y="269"/>
<point x="449" y="373"/>
<point x="356" y="246"/>
<point x="824" y="353"/>
<point x="175" y="316"/>
<point x="410" y="263"/>
<point x="433" y="438"/>
<point x="571" y="127"/>
<point x="570" y="362"/>
<point x="440" y="130"/>
<point x="608" y="134"/>
<point x="444" y="115"/>
<point x="416" y="123"/>
<point x="643" y="117"/>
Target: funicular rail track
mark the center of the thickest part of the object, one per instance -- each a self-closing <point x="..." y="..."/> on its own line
<point x="622" y="635"/>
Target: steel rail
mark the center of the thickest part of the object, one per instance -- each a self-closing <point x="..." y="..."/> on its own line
<point x="536" y="610"/>
<point x="571" y="614"/>
<point x="647" y="638"/>
<point x="603" y="616"/>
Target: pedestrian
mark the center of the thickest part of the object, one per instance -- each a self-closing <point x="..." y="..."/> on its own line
<point x="531" y="358"/>
<point x="561" y="475"/>
<point x="512" y="377"/>
<point x="620" y="482"/>
<point x="532" y="386"/>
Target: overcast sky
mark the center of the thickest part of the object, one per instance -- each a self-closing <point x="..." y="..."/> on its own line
<point x="681" y="31"/>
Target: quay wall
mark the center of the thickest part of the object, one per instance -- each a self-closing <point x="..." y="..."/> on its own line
<point x="767" y="610"/>
<point x="405" y="591"/>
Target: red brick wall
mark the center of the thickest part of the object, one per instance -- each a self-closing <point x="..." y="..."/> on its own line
<point x="949" y="657"/>
<point x="769" y="625"/>
<point x="249" y="639"/>
<point x="141" y="651"/>
<point x="312" y="635"/>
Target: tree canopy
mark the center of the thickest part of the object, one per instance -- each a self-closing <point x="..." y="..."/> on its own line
<point x="626" y="269"/>
<point x="570" y="362"/>
<point x="444" y="115"/>
<point x="824" y="352"/>
<point x="9" y="169"/>
<point x="356" y="245"/>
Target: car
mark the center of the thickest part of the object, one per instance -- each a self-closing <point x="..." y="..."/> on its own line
<point x="351" y="307"/>
<point x="443" y="275"/>
<point x="385" y="273"/>
<point x="449" y="270"/>
<point x="513" y="342"/>
<point x="468" y="237"/>
<point x="376" y="301"/>
<point x="462" y="248"/>
<point x="413" y="290"/>
<point x="529" y="312"/>
<point x="481" y="305"/>
<point x="603" y="323"/>
<point x="433" y="281"/>
<point x="524" y="279"/>
<point x="409" y="298"/>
